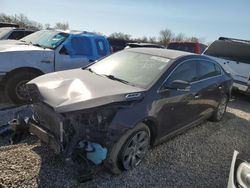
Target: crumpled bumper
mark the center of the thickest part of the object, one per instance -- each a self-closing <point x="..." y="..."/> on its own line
<point x="44" y="136"/>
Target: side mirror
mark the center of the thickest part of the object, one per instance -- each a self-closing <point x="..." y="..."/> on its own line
<point x="63" y="51"/>
<point x="179" y="85"/>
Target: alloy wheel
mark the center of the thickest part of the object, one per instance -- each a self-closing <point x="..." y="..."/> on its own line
<point x="135" y="150"/>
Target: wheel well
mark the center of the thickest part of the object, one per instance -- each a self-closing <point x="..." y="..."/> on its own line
<point x="23" y="69"/>
<point x="153" y="130"/>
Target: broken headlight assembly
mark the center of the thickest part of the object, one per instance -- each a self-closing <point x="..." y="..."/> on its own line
<point x="92" y="125"/>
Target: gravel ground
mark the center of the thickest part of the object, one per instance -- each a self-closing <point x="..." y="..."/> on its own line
<point x="200" y="157"/>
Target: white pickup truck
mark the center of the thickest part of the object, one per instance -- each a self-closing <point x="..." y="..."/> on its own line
<point x="43" y="52"/>
<point x="234" y="57"/>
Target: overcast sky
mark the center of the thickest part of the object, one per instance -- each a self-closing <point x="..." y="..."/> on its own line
<point x="204" y="19"/>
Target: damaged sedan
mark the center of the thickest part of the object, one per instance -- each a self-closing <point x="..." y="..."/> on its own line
<point x="114" y="110"/>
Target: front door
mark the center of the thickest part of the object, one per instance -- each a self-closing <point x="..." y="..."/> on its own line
<point x="179" y="107"/>
<point x="76" y="52"/>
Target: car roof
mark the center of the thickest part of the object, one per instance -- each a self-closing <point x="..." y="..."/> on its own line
<point x="79" y="33"/>
<point x="143" y="44"/>
<point x="166" y="53"/>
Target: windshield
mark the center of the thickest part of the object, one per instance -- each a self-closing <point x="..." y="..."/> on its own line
<point x="4" y="32"/>
<point x="46" y="39"/>
<point x="134" y="68"/>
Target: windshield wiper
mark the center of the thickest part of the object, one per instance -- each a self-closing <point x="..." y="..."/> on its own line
<point x="112" y="77"/>
<point x="90" y="70"/>
<point x="36" y="44"/>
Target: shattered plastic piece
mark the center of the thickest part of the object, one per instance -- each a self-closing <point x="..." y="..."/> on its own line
<point x="98" y="154"/>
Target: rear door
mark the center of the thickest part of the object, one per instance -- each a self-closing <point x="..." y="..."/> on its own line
<point x="210" y="84"/>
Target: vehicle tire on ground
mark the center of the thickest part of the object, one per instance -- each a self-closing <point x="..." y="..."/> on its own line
<point x="220" y="110"/>
<point x="15" y="87"/>
<point x="129" y="151"/>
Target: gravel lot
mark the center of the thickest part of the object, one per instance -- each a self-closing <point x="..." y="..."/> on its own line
<point x="200" y="157"/>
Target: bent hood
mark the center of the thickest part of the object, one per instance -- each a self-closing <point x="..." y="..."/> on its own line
<point x="79" y="89"/>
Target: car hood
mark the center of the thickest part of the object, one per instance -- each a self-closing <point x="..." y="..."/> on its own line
<point x="9" y="42"/>
<point x="79" y="89"/>
<point x="14" y="46"/>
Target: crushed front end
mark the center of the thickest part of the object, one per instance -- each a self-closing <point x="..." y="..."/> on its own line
<point x="64" y="131"/>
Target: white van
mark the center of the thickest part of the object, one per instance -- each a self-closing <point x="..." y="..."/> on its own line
<point x="234" y="57"/>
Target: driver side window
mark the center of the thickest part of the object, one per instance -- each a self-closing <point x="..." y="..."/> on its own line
<point x="187" y="71"/>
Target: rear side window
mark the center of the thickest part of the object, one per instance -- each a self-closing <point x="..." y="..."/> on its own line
<point x="80" y="46"/>
<point x="186" y="72"/>
<point x="16" y="35"/>
<point x="187" y="47"/>
<point x="101" y="47"/>
<point x="208" y="69"/>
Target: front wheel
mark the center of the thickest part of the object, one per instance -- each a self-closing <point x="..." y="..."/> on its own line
<point x="220" y="110"/>
<point x="15" y="87"/>
<point x="130" y="150"/>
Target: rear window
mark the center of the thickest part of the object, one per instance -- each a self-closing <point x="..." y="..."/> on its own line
<point x="187" y="47"/>
<point x="16" y="35"/>
<point x="101" y="47"/>
<point x="208" y="69"/>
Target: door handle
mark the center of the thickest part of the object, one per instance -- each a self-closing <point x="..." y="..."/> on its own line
<point x="197" y="95"/>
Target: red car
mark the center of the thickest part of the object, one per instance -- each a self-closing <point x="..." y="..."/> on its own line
<point x="193" y="47"/>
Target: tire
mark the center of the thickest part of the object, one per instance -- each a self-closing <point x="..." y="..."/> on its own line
<point x="119" y="153"/>
<point x="15" y="87"/>
<point x="220" y="110"/>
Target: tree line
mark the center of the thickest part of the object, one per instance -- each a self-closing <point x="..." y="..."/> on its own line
<point x="24" y="22"/>
<point x="165" y="35"/>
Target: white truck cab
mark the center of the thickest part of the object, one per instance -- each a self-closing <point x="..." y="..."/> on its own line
<point x="43" y="52"/>
<point x="234" y="56"/>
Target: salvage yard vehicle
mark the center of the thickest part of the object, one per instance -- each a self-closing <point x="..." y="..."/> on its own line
<point x="234" y="56"/>
<point x="114" y="110"/>
<point x="192" y="47"/>
<point x="14" y="33"/>
<point x="43" y="52"/>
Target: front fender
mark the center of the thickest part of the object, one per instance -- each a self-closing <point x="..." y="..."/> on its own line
<point x="41" y="60"/>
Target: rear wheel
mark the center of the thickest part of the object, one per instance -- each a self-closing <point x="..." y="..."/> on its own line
<point x="15" y="87"/>
<point x="220" y="110"/>
<point x="130" y="149"/>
